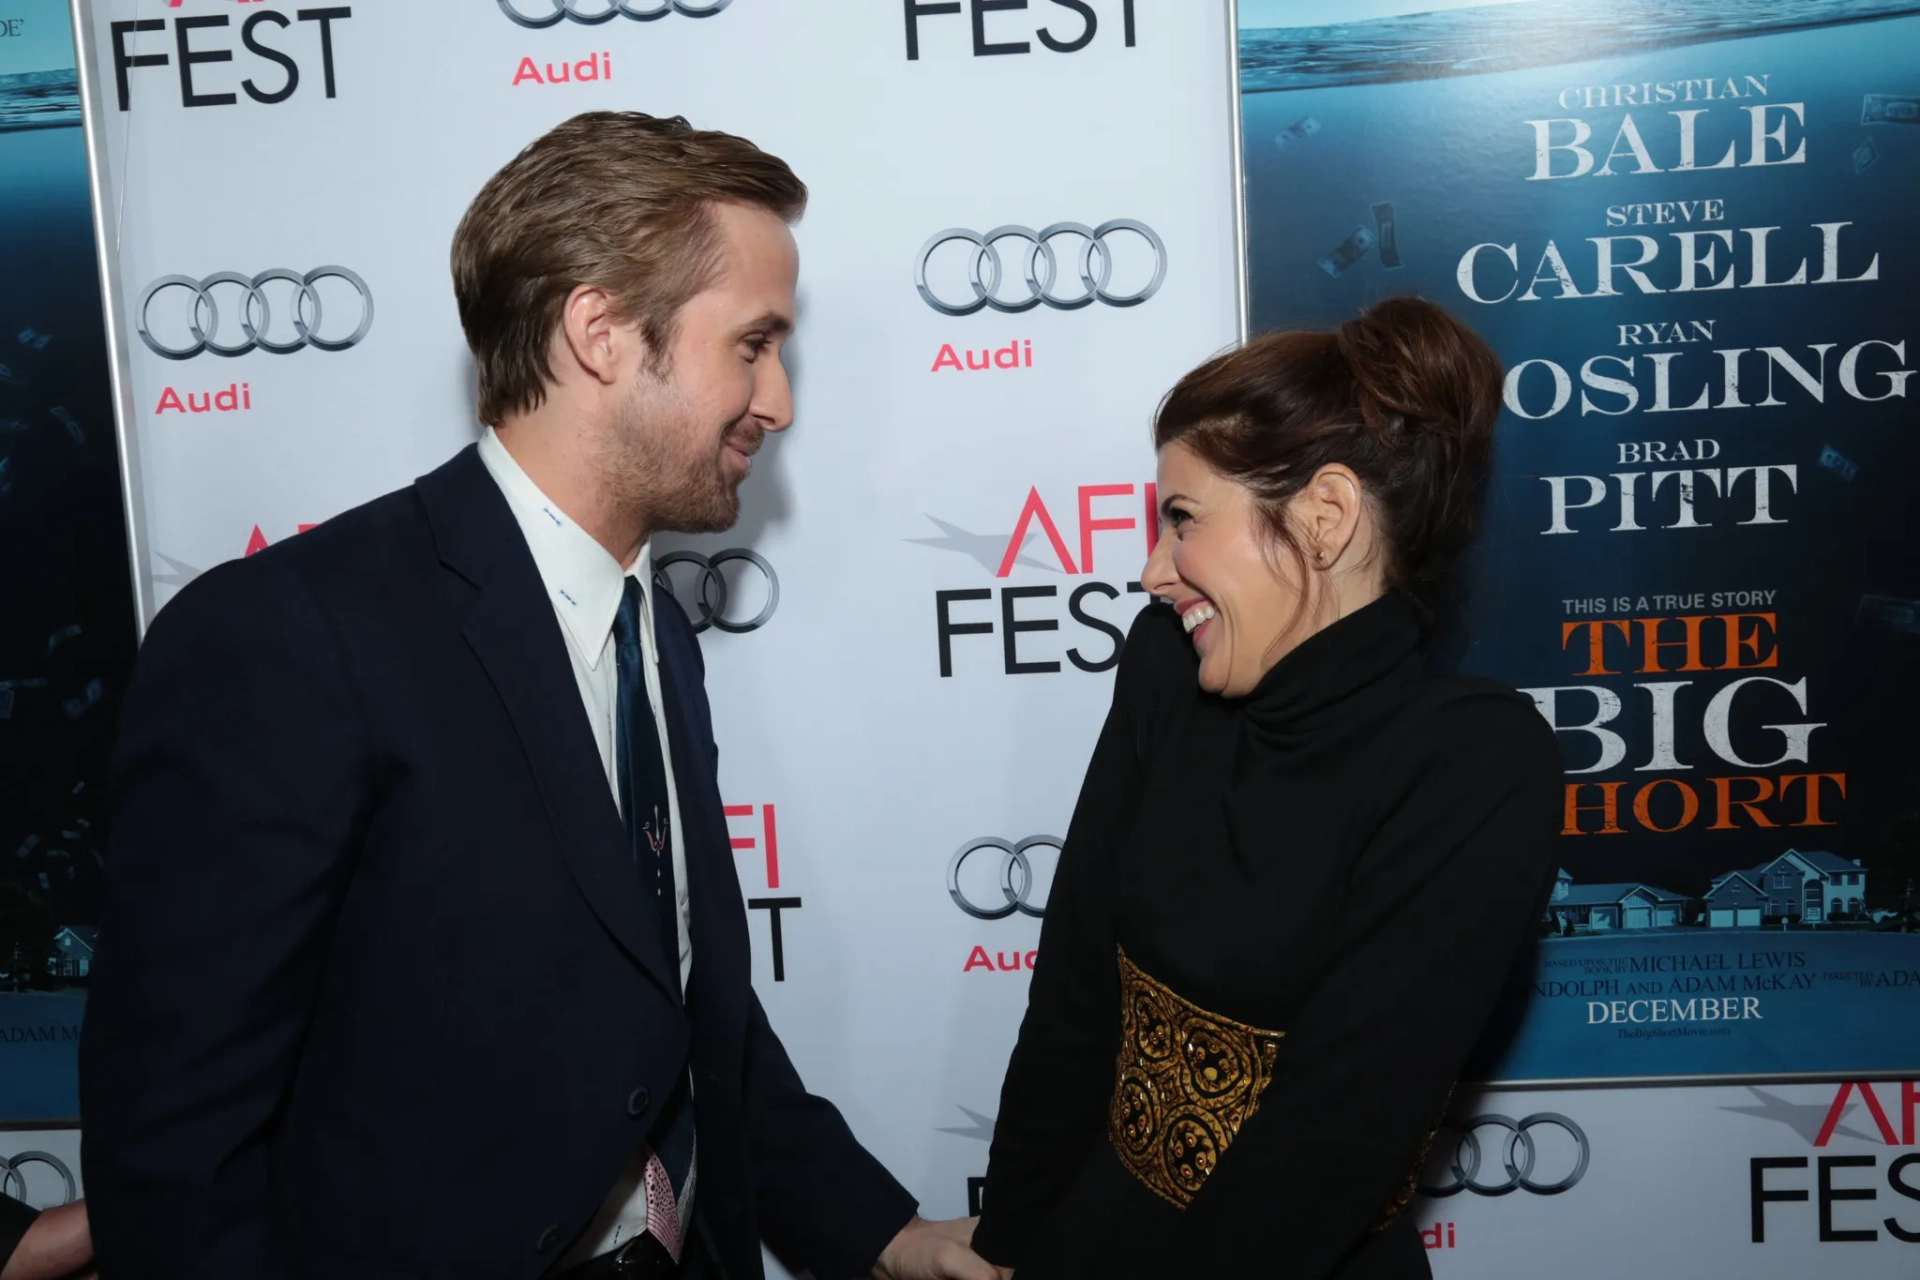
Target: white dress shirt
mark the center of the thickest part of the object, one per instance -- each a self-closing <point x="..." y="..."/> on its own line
<point x="585" y="584"/>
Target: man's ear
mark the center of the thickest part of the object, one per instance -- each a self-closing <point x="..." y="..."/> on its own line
<point x="591" y="333"/>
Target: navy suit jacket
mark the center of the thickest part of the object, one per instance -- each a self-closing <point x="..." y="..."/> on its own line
<point x="376" y="997"/>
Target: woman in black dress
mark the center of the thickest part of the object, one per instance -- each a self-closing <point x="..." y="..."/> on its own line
<point x="1301" y="866"/>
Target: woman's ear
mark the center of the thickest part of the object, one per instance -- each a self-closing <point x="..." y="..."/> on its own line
<point x="1327" y="513"/>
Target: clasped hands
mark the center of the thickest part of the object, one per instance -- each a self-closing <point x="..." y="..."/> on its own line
<point x="927" y="1250"/>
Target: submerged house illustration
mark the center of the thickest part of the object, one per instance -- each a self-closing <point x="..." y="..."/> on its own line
<point x="1812" y="887"/>
<point x="1616" y="905"/>
<point x="74" y="951"/>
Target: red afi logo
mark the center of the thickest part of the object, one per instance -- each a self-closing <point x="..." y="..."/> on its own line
<point x="1035" y="508"/>
<point x="258" y="542"/>
<point x="1909" y="1104"/>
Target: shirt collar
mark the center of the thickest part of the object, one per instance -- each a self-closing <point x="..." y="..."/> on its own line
<point x="583" y="578"/>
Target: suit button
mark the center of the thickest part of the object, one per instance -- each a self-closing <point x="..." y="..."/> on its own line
<point x="548" y="1238"/>
<point x="637" y="1102"/>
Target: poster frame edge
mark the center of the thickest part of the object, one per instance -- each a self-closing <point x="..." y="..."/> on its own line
<point x="119" y="364"/>
<point x="1828" y="1076"/>
<point x="1243" y="309"/>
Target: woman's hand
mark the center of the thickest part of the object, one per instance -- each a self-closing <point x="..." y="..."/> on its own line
<point x="56" y="1246"/>
<point x="927" y="1250"/>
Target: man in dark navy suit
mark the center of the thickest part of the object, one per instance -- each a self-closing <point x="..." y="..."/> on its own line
<point x="423" y="954"/>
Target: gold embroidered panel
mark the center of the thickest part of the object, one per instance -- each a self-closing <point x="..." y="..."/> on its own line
<point x="1185" y="1081"/>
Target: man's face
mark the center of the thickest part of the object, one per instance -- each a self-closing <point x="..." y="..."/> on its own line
<point x="685" y="436"/>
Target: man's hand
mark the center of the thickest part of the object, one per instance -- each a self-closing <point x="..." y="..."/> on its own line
<point x="56" y="1246"/>
<point x="934" y="1251"/>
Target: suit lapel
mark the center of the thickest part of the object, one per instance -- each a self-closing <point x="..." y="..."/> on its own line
<point x="514" y="633"/>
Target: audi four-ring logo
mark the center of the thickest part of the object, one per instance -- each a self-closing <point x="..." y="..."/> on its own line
<point x="1016" y="877"/>
<point x="1037" y="265"/>
<point x="14" y="1183"/>
<point x="712" y="595"/>
<point x="253" y="314"/>
<point x="1518" y="1155"/>
<point x="592" y="13"/>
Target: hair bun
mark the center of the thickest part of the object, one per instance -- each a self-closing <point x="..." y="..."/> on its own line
<point x="1420" y="372"/>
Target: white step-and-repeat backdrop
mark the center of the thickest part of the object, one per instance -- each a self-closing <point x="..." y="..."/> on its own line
<point x="912" y="630"/>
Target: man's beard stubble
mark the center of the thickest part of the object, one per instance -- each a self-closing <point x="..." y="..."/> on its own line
<point x="649" y="463"/>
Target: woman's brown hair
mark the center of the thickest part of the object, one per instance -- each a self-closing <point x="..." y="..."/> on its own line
<point x="1403" y="393"/>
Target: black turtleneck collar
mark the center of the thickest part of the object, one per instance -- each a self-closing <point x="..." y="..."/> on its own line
<point x="1336" y="686"/>
<point x="1308" y="689"/>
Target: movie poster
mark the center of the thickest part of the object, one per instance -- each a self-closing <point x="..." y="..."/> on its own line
<point x="1687" y="228"/>
<point x="67" y="628"/>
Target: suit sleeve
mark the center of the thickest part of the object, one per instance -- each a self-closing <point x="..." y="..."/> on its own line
<point x="821" y="1198"/>
<point x="1053" y="1103"/>
<point x="1444" y="899"/>
<point x="241" y="785"/>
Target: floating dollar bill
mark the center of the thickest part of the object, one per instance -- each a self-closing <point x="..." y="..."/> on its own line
<point x="66" y="419"/>
<point x="1299" y="131"/>
<point x="1890" y="108"/>
<point x="1865" y="156"/>
<point x="1350" y="251"/>
<point x="6" y="482"/>
<point x="33" y="339"/>
<point x="12" y="426"/>
<point x="64" y="633"/>
<point x="1389" y="246"/>
<point x="1832" y="459"/>
<point x="1890" y="613"/>
<point x="8" y="375"/>
<point x="79" y="704"/>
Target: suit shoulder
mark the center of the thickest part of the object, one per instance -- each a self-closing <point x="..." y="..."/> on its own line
<point x="356" y="538"/>
<point x="294" y="576"/>
<point x="343" y="561"/>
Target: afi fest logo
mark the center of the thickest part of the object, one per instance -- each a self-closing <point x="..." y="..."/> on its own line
<point x="1047" y="544"/>
<point x="1078" y="26"/>
<point x="257" y="542"/>
<point x="275" y="55"/>
<point x="763" y="823"/>
<point x="1842" y="1198"/>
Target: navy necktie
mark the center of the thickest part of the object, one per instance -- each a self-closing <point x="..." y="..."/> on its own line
<point x="645" y="810"/>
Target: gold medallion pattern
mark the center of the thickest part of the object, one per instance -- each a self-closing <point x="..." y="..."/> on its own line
<point x="1185" y="1081"/>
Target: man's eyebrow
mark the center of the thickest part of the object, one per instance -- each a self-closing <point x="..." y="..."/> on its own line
<point x="772" y="323"/>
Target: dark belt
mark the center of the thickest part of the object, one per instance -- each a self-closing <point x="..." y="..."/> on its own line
<point x="641" y="1258"/>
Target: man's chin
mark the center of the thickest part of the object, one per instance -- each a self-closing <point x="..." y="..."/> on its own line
<point x="718" y="515"/>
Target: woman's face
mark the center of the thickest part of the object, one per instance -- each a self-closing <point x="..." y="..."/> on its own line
<point x="1236" y="590"/>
